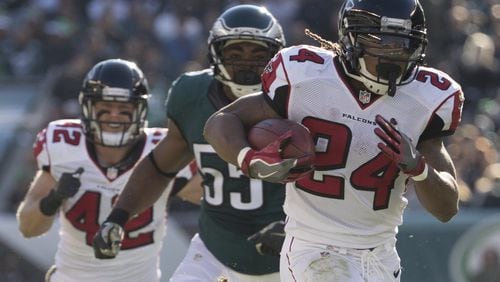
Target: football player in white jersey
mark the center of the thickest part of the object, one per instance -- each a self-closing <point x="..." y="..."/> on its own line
<point x="377" y="116"/>
<point x="83" y="165"/>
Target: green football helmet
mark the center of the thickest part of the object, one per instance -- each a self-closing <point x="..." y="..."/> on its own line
<point x="248" y="23"/>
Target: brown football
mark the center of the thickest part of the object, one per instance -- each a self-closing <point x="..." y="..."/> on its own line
<point x="301" y="145"/>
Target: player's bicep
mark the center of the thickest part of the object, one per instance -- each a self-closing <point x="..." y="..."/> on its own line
<point x="172" y="153"/>
<point x="251" y="109"/>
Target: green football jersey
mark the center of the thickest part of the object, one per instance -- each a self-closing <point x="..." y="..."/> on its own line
<point x="234" y="206"/>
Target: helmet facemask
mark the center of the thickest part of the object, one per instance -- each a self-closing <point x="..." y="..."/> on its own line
<point x="242" y="76"/>
<point x="381" y="52"/>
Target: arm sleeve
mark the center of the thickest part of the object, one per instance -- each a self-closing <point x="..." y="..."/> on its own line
<point x="446" y="118"/>
<point x="172" y="103"/>
<point x="40" y="151"/>
<point x="276" y="86"/>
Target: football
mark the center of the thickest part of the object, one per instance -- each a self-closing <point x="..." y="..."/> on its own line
<point x="301" y="145"/>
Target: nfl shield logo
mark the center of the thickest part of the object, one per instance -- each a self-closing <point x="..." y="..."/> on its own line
<point x="364" y="96"/>
<point x="112" y="173"/>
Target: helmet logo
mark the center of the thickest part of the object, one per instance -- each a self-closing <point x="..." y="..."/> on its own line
<point x="364" y="96"/>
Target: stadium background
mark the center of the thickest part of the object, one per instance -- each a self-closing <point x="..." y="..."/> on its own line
<point x="46" y="46"/>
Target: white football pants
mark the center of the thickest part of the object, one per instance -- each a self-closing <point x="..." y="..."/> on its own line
<point x="200" y="265"/>
<point x="307" y="261"/>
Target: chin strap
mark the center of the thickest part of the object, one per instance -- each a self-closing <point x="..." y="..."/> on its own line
<point x="392" y="72"/>
<point x="392" y="84"/>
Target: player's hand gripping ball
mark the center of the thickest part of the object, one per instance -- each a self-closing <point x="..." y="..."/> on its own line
<point x="281" y="148"/>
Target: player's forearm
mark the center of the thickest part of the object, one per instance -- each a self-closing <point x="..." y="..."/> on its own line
<point x="143" y="188"/>
<point x="438" y="194"/>
<point x="31" y="222"/>
<point x="225" y="132"/>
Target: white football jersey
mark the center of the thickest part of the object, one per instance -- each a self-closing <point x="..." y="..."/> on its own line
<point x="355" y="197"/>
<point x="62" y="147"/>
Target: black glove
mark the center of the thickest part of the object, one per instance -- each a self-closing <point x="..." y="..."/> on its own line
<point x="108" y="240"/>
<point x="67" y="187"/>
<point x="69" y="183"/>
<point x="268" y="240"/>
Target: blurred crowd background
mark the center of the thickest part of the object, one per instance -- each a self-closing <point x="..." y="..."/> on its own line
<point x="52" y="44"/>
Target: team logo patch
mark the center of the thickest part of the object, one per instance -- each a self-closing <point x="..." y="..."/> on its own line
<point x="364" y="96"/>
<point x="268" y="68"/>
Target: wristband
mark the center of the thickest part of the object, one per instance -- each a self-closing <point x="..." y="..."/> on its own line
<point x="118" y="216"/>
<point x="421" y="176"/>
<point x="49" y="205"/>
<point x="241" y="156"/>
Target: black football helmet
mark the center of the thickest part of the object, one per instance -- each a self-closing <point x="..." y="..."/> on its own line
<point x="114" y="80"/>
<point x="391" y="31"/>
<point x="243" y="23"/>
